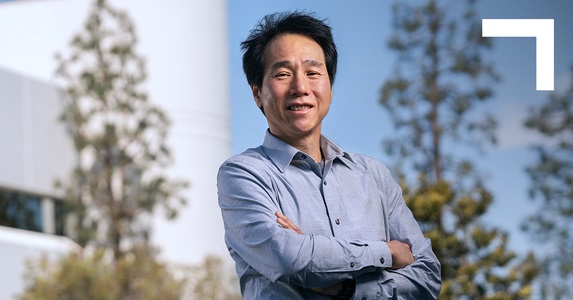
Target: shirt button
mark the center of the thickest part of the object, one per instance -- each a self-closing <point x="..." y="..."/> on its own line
<point x="337" y="222"/>
<point x="382" y="260"/>
<point x="325" y="182"/>
<point x="352" y="264"/>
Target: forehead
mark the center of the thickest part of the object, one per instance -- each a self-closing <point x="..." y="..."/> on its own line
<point x="293" y="48"/>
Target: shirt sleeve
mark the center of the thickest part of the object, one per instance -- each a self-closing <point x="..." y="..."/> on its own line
<point x="248" y="203"/>
<point x="421" y="279"/>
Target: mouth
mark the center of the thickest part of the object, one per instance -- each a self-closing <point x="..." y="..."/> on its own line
<point x="299" y="107"/>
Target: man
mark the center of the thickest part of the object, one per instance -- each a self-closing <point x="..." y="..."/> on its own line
<point x="303" y="218"/>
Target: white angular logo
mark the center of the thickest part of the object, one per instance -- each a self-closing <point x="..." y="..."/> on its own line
<point x="542" y="31"/>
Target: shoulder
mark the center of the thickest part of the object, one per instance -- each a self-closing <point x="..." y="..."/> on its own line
<point x="249" y="171"/>
<point x="374" y="167"/>
<point x="253" y="161"/>
<point x="251" y="155"/>
<point x="368" y="163"/>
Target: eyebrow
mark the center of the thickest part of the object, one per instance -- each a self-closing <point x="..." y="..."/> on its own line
<point x="285" y="63"/>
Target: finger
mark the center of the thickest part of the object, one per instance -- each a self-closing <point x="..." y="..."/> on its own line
<point x="281" y="216"/>
<point x="286" y="223"/>
<point x="291" y="224"/>
<point x="296" y="229"/>
<point x="281" y="219"/>
<point x="283" y="223"/>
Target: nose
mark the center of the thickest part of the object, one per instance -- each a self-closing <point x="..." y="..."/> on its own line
<point x="300" y="85"/>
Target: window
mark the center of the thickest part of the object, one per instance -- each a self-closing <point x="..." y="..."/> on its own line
<point x="59" y="216"/>
<point x="31" y="212"/>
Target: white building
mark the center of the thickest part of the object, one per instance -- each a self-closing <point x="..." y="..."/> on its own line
<point x="185" y="46"/>
<point x="34" y="152"/>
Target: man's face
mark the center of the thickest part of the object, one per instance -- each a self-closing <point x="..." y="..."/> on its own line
<point x="296" y="92"/>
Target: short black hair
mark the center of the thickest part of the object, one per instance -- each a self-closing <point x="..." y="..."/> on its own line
<point x="276" y="24"/>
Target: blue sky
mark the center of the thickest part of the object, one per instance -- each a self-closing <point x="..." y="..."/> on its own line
<point x="358" y="123"/>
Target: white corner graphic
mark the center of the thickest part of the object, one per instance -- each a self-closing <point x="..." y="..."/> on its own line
<point x="542" y="30"/>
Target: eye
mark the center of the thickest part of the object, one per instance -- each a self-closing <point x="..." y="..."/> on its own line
<point x="313" y="74"/>
<point x="282" y="75"/>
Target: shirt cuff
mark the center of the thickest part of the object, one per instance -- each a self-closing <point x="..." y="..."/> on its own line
<point x="382" y="254"/>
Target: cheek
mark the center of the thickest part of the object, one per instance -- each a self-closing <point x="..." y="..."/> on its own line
<point x="269" y="92"/>
<point x="273" y="96"/>
<point x="326" y="93"/>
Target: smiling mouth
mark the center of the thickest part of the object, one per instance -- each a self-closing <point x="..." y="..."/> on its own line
<point x="299" y="107"/>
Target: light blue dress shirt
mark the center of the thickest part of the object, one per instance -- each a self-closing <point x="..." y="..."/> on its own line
<point x="346" y="213"/>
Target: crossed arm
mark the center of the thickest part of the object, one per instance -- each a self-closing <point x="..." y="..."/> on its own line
<point x="401" y="255"/>
<point x="246" y="198"/>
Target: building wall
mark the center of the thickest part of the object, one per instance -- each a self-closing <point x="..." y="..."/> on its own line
<point x="35" y="149"/>
<point x="17" y="247"/>
<point x="34" y="152"/>
<point x="186" y="46"/>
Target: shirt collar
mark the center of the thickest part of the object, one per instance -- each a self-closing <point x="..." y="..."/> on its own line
<point x="282" y="154"/>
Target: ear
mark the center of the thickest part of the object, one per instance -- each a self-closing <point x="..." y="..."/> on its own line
<point x="257" y="95"/>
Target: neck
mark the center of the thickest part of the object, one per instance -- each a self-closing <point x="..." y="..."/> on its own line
<point x="311" y="148"/>
<point x="308" y="144"/>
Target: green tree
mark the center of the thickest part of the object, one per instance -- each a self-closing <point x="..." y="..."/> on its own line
<point x="81" y="275"/>
<point x="117" y="184"/>
<point x="118" y="134"/>
<point x="433" y="99"/>
<point x="211" y="280"/>
<point x="552" y="185"/>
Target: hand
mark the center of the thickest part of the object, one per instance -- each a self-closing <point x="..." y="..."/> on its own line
<point x="401" y="254"/>
<point x="286" y="223"/>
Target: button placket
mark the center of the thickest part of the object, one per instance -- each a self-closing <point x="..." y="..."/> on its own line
<point x="333" y="202"/>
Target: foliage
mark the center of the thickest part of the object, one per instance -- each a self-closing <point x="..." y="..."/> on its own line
<point x="433" y="99"/>
<point x="552" y="184"/>
<point x="440" y="79"/>
<point x="118" y="134"/>
<point x="137" y="275"/>
<point x="212" y="280"/>
<point x="476" y="263"/>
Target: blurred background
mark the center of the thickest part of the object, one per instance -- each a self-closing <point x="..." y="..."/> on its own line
<point x="507" y="198"/>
